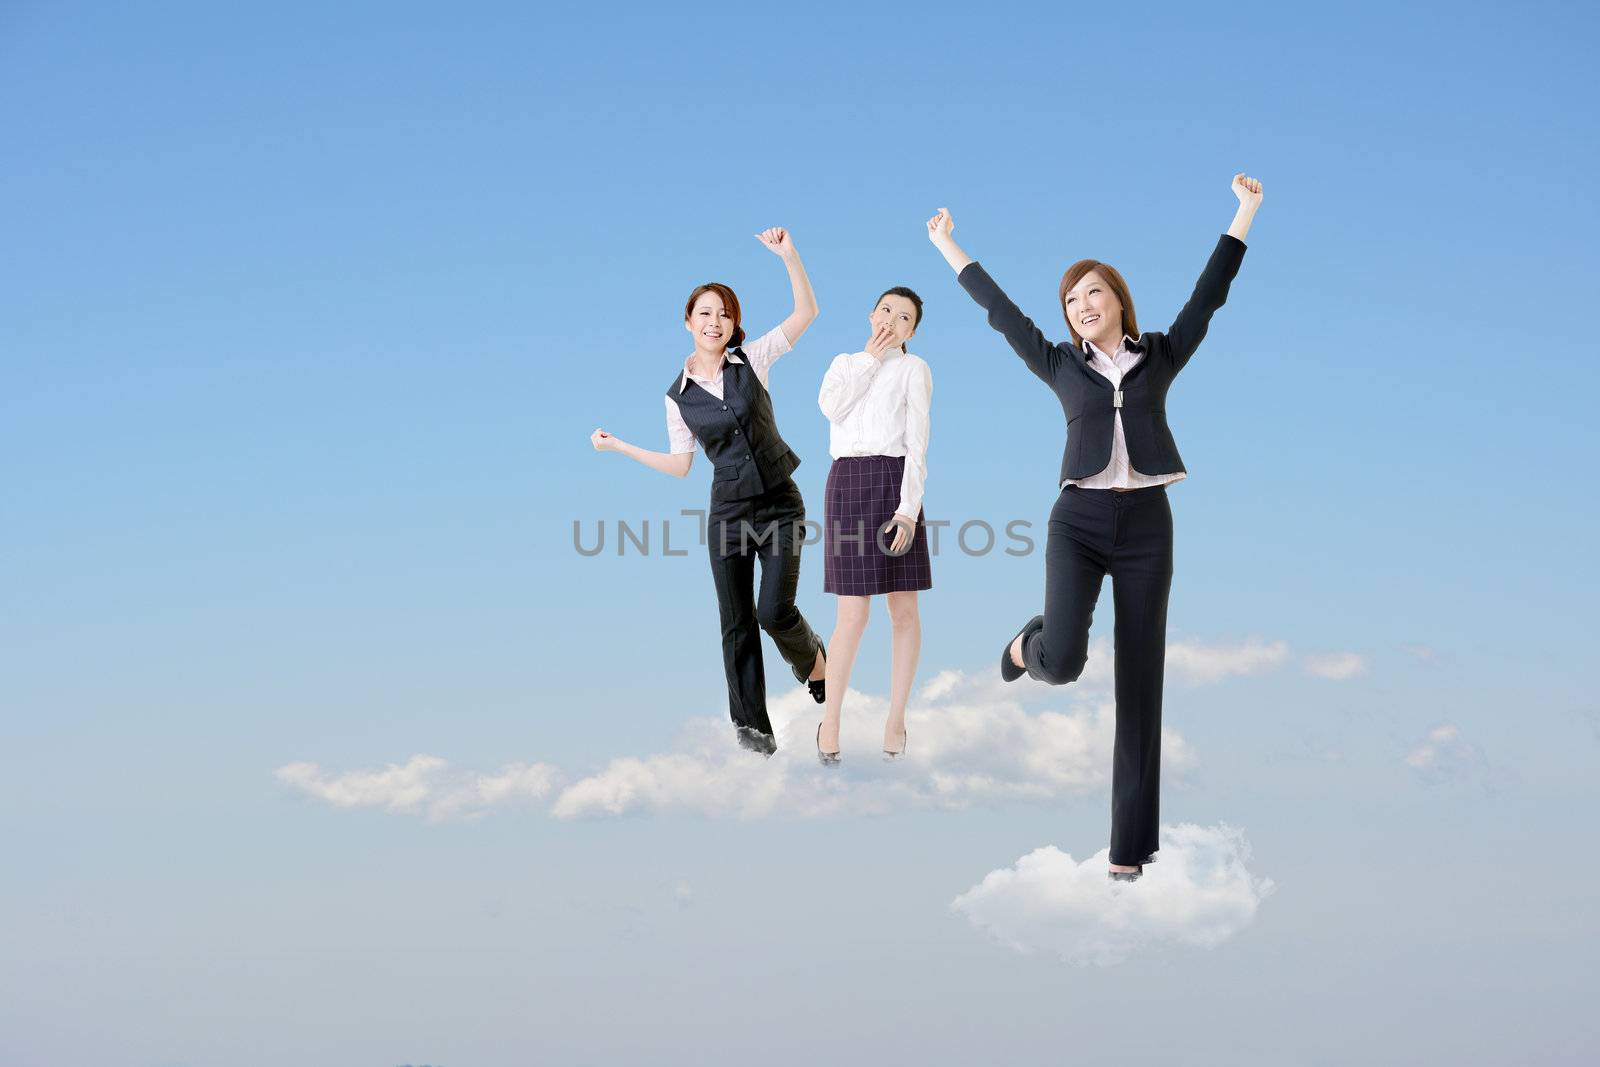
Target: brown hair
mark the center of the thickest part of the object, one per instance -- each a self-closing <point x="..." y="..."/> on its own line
<point x="730" y="304"/>
<point x="1075" y="273"/>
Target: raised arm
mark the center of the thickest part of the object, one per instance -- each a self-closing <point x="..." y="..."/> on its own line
<point x="1025" y="339"/>
<point x="674" y="463"/>
<point x="941" y="231"/>
<point x="804" y="314"/>
<point x="1211" y="291"/>
<point x="1248" y="190"/>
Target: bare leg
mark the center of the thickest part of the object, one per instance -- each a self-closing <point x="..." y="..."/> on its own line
<point x="907" y="647"/>
<point x="1016" y="651"/>
<point x="853" y="614"/>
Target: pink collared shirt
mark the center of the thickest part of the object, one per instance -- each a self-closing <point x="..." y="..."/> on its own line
<point x="761" y="353"/>
<point x="1119" y="473"/>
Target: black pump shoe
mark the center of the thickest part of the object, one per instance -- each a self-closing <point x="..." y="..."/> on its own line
<point x="827" y="759"/>
<point x="1008" y="670"/>
<point x="818" y="687"/>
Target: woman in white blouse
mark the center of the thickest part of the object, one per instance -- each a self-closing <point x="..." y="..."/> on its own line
<point x="875" y="540"/>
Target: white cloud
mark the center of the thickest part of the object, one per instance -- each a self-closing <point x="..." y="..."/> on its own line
<point x="1198" y="893"/>
<point x="423" y="785"/>
<point x="1446" y="755"/>
<point x="1188" y="662"/>
<point x="970" y="741"/>
<point x="1336" y="666"/>
<point x="708" y="774"/>
<point x="1198" y="663"/>
<point x="1425" y="653"/>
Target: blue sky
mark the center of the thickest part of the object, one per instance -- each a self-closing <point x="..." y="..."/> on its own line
<point x="307" y="316"/>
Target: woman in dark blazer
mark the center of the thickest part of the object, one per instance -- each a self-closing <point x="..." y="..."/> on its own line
<point x="1112" y="514"/>
<point x="717" y="401"/>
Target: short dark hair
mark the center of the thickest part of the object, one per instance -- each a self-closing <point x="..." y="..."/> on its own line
<point x="916" y="302"/>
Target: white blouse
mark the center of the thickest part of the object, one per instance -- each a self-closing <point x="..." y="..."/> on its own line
<point x="880" y="408"/>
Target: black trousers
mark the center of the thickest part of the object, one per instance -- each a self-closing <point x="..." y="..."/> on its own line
<point x="740" y="534"/>
<point x="1128" y="535"/>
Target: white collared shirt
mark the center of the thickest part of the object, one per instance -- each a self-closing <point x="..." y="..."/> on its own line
<point x="761" y="354"/>
<point x="1119" y="472"/>
<point x="880" y="408"/>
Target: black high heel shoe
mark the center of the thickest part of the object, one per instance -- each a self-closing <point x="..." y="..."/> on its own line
<point x="818" y="686"/>
<point x="1008" y="670"/>
<point x="827" y="759"/>
<point x="905" y="739"/>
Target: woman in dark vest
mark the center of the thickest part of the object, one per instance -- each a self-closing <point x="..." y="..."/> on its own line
<point x="1112" y="514"/>
<point x="719" y="401"/>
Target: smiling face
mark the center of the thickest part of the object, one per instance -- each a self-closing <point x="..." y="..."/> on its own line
<point x="712" y="319"/>
<point x="1094" y="311"/>
<point x="1097" y="304"/>
<point x="899" y="314"/>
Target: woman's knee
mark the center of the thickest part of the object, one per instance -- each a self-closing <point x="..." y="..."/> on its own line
<point x="1061" y="666"/>
<point x="854" y="612"/>
<point x="775" y="614"/>
<point x="903" y="609"/>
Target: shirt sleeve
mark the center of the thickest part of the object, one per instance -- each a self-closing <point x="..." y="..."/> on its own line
<point x="764" y="351"/>
<point x="919" y="399"/>
<point x="847" y="381"/>
<point x="679" y="437"/>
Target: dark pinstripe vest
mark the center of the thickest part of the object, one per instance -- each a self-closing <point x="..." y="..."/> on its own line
<point x="738" y="432"/>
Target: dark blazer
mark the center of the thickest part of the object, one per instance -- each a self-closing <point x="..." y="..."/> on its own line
<point x="1087" y="397"/>
<point x="738" y="432"/>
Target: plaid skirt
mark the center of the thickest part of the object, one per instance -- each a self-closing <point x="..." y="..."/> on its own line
<point x="863" y="492"/>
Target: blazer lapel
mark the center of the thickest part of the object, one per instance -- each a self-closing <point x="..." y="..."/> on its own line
<point x="1093" y="375"/>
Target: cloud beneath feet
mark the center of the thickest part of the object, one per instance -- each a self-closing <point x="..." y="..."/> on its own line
<point x="970" y="742"/>
<point x="1198" y="894"/>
